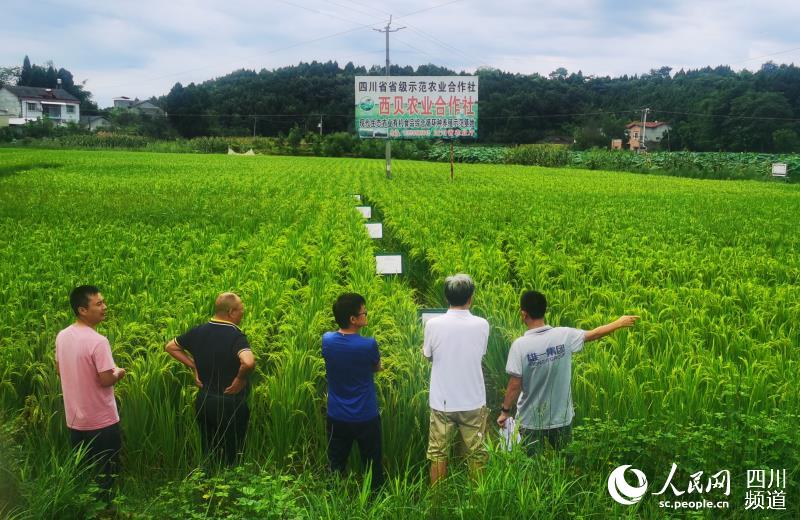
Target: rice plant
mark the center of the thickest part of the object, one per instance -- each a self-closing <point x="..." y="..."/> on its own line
<point x="708" y="376"/>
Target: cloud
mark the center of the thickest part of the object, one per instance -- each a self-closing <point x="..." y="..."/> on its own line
<point x="142" y="48"/>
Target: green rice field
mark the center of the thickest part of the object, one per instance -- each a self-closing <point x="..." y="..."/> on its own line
<point x="707" y="379"/>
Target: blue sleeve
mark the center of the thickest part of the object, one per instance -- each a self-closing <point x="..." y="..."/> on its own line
<point x="376" y="354"/>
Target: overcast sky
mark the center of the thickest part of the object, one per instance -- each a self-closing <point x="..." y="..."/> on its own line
<point x="141" y="48"/>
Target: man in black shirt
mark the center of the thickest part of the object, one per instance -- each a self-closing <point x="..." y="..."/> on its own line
<point x="219" y="355"/>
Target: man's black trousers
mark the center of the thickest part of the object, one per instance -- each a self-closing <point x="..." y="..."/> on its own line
<point x="223" y="423"/>
<point x="102" y="448"/>
<point x="368" y="436"/>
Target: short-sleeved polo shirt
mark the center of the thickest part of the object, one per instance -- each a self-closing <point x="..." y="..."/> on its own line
<point x="543" y="359"/>
<point x="215" y="348"/>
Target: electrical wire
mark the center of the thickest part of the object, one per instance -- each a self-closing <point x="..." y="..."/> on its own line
<point x="280" y="49"/>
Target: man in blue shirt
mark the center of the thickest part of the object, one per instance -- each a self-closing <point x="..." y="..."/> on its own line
<point x="351" y="361"/>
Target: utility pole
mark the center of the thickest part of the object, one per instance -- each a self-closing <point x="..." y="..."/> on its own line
<point x="388" y="30"/>
<point x="254" y="126"/>
<point x="643" y="143"/>
<point x="319" y="125"/>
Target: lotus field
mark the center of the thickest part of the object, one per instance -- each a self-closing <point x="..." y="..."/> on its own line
<point x="707" y="379"/>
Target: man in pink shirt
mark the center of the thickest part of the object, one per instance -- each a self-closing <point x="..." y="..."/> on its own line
<point x="88" y="374"/>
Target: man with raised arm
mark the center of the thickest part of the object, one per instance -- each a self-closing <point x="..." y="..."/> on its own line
<point x="540" y="374"/>
<point x="455" y="344"/>
<point x="88" y="375"/>
<point x="219" y="356"/>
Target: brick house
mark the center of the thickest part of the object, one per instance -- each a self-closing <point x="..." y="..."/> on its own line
<point x="653" y="134"/>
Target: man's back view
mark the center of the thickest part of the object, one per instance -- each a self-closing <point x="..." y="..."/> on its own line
<point x="455" y="344"/>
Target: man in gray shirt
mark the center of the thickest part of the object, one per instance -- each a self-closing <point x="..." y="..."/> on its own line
<point x="540" y="374"/>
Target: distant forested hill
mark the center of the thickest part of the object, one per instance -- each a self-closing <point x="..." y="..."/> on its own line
<point x="709" y="109"/>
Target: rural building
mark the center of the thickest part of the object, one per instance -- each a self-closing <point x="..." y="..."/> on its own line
<point x="24" y="104"/>
<point x="654" y="133"/>
<point x="123" y="102"/>
<point x="94" y="123"/>
<point x="145" y="107"/>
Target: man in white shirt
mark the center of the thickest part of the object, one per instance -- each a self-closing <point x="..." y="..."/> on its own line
<point x="540" y="374"/>
<point x="455" y="344"/>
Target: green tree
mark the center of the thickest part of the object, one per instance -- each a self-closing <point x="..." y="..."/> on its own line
<point x="9" y="75"/>
<point x="754" y="117"/>
<point x="294" y="138"/>
<point x="187" y="108"/>
<point x="708" y="108"/>
<point x="786" y="140"/>
<point x="25" y="73"/>
<point x="50" y="78"/>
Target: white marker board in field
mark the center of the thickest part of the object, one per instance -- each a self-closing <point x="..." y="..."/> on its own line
<point x="357" y="197"/>
<point x="426" y="314"/>
<point x="779" y="169"/>
<point x="366" y="211"/>
<point x="375" y="229"/>
<point x="389" y="264"/>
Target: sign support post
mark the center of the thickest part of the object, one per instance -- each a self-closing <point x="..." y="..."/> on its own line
<point x="451" y="158"/>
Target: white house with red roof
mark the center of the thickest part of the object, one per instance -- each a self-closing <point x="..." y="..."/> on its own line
<point x="654" y="132"/>
<point x="23" y="104"/>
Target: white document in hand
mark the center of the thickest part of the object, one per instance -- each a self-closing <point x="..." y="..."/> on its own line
<point x="509" y="436"/>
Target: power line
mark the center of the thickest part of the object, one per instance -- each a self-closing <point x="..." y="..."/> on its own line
<point x="317" y="114"/>
<point x="422" y="33"/>
<point x="687" y="68"/>
<point x="273" y="51"/>
<point x="419" y="51"/>
<point x="482" y="117"/>
<point x="725" y="116"/>
<point x="280" y="49"/>
<point x="360" y="23"/>
<point x="765" y="56"/>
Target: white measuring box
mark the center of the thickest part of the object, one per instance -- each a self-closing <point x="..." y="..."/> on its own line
<point x="389" y="264"/>
<point x="366" y="211"/>
<point x="375" y="229"/>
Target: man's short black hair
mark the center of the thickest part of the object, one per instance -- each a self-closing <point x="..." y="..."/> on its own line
<point x="79" y="297"/>
<point x="534" y="303"/>
<point x="345" y="306"/>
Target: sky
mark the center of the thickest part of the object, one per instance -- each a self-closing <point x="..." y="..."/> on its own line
<point x="142" y="48"/>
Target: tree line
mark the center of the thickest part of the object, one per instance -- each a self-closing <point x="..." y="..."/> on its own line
<point x="46" y="76"/>
<point x="709" y="109"/>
